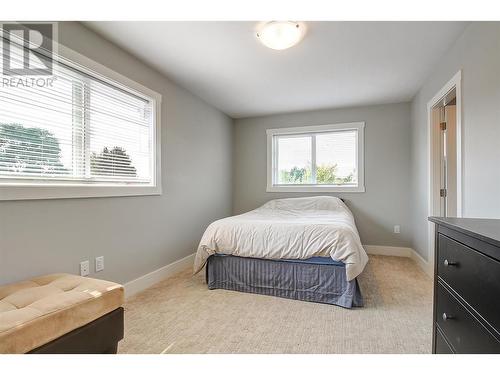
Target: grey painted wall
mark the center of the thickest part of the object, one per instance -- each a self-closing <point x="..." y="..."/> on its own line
<point x="135" y="234"/>
<point x="386" y="201"/>
<point x="477" y="53"/>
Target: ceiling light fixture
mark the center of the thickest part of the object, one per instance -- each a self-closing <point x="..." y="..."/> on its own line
<point x="280" y="34"/>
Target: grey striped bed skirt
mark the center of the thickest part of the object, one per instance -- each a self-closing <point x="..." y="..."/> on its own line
<point x="308" y="280"/>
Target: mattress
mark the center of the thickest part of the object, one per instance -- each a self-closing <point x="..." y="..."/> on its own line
<point x="312" y="260"/>
<point x="316" y="279"/>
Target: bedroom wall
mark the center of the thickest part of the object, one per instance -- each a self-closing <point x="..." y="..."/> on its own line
<point x="136" y="235"/>
<point x="386" y="201"/>
<point x="477" y="53"/>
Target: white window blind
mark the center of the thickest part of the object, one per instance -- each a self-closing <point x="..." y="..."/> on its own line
<point x="83" y="129"/>
<point x="316" y="158"/>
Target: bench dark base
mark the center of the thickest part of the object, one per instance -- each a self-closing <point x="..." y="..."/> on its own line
<point x="100" y="336"/>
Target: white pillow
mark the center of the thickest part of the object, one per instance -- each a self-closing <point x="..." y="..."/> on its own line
<point x="305" y="203"/>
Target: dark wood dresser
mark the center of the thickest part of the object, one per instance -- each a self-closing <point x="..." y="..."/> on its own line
<point x="466" y="286"/>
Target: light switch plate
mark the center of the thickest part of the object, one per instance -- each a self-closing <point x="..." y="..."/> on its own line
<point x="397" y="229"/>
<point x="99" y="264"/>
<point x="84" y="268"/>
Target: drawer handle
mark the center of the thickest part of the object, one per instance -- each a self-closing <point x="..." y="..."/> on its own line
<point x="448" y="263"/>
<point x="447" y="317"/>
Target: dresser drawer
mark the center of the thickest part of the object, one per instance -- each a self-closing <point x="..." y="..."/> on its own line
<point x="474" y="276"/>
<point x="462" y="330"/>
<point x="442" y="346"/>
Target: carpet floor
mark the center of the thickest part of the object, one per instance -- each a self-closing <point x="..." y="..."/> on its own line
<point x="180" y="315"/>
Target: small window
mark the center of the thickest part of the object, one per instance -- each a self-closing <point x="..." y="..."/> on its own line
<point x="83" y="135"/>
<point x="325" y="158"/>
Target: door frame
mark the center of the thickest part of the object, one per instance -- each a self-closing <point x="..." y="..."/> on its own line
<point x="432" y="146"/>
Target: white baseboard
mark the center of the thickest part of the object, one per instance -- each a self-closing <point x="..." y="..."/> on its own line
<point x="388" y="250"/>
<point x="144" y="282"/>
<point x="407" y="252"/>
<point x="426" y="266"/>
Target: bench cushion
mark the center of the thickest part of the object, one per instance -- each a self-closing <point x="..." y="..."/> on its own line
<point x="37" y="311"/>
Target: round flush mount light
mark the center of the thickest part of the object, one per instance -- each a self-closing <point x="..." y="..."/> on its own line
<point x="280" y="34"/>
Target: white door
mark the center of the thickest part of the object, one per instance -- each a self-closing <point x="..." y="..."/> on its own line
<point x="451" y="160"/>
<point x="448" y="161"/>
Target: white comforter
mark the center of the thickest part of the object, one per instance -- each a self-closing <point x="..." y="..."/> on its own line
<point x="295" y="228"/>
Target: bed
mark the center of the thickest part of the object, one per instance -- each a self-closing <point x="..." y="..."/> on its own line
<point x="301" y="248"/>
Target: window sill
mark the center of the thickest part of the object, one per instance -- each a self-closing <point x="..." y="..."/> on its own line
<point x="315" y="189"/>
<point x="28" y="192"/>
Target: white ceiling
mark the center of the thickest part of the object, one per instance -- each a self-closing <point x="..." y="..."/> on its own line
<point x="337" y="64"/>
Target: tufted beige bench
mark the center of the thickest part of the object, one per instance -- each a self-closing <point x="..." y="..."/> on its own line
<point x="61" y="313"/>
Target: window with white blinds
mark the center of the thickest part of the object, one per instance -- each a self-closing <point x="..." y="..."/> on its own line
<point x="316" y="158"/>
<point x="82" y="130"/>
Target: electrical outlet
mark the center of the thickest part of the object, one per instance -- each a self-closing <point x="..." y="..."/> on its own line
<point x="99" y="264"/>
<point x="84" y="268"/>
<point x="397" y="229"/>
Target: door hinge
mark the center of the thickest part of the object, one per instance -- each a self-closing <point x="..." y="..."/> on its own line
<point x="442" y="193"/>
<point x="442" y="125"/>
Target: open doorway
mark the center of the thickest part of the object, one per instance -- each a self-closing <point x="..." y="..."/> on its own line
<point x="444" y="127"/>
<point x="445" y="154"/>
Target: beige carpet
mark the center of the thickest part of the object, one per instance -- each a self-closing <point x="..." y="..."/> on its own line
<point x="180" y="315"/>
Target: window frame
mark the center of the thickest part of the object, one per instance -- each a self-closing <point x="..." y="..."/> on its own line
<point x="308" y="130"/>
<point x="25" y="188"/>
